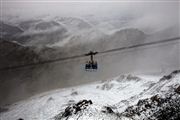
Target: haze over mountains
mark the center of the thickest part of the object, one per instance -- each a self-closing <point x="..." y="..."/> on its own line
<point x="27" y="38"/>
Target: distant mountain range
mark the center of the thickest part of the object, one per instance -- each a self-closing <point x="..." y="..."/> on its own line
<point x="30" y="41"/>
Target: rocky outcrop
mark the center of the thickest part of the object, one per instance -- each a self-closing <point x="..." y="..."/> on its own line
<point x="156" y="108"/>
<point x="162" y="106"/>
<point x="85" y="109"/>
<point x="170" y="76"/>
<point x="74" y="109"/>
<point x="177" y="90"/>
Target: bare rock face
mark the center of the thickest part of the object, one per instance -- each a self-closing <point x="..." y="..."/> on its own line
<point x="20" y="119"/>
<point x="177" y="90"/>
<point x="171" y="75"/>
<point x="74" y="109"/>
<point x="107" y="109"/>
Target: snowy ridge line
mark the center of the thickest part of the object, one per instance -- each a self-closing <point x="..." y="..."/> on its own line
<point x="84" y="55"/>
<point x="148" y="107"/>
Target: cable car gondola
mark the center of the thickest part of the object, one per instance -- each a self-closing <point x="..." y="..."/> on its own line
<point x="91" y="64"/>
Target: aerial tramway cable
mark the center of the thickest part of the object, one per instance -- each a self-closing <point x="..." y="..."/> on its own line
<point x="88" y="54"/>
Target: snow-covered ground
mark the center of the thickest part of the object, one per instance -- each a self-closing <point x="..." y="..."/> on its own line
<point x="120" y="92"/>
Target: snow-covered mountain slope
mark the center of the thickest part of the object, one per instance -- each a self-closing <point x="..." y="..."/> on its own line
<point x="74" y="24"/>
<point x="157" y="107"/>
<point x="13" y="54"/>
<point x="109" y="99"/>
<point x="8" y="31"/>
<point x="27" y="24"/>
<point x="43" y="33"/>
<point x="54" y="30"/>
<point x="63" y="31"/>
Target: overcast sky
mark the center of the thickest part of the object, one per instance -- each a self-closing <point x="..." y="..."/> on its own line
<point x="151" y="12"/>
<point x="30" y="8"/>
